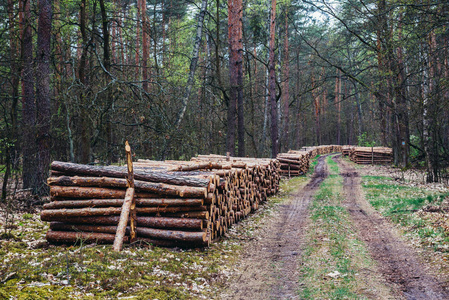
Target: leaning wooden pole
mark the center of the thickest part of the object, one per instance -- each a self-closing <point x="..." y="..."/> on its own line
<point x="130" y="180"/>
<point x="128" y="207"/>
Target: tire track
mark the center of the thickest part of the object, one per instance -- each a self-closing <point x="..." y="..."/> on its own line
<point x="398" y="263"/>
<point x="269" y="266"/>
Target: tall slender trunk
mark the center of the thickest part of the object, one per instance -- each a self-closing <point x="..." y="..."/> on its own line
<point x="109" y="149"/>
<point x="114" y="31"/>
<point x="286" y="85"/>
<point x="193" y="63"/>
<point x="240" y="102"/>
<point x="191" y="78"/>
<point x="338" y="105"/>
<point x="324" y="116"/>
<point x="235" y="65"/>
<point x="43" y="95"/>
<point x="262" y="146"/>
<point x="84" y="146"/>
<point x="381" y="66"/>
<point x="272" y="83"/>
<point x="15" y="69"/>
<point x="426" y="120"/>
<point x="359" y="108"/>
<point x="28" y="104"/>
<point x="11" y="128"/>
<point x="429" y="122"/>
<point x="138" y="27"/>
<point x="145" y="38"/>
<point x="317" y="105"/>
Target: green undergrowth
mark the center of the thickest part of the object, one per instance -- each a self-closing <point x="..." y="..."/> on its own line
<point x="32" y="269"/>
<point x="96" y="272"/>
<point x="403" y="203"/>
<point x="334" y="257"/>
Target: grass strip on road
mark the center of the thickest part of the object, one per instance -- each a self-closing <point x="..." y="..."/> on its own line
<point x="335" y="261"/>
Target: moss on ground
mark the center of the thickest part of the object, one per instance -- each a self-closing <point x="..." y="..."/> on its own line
<point x="32" y="269"/>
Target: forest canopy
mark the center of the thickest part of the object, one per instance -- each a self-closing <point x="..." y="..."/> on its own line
<point x="253" y="78"/>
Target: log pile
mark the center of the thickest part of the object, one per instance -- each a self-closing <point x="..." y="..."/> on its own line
<point x="296" y="162"/>
<point x="86" y="203"/>
<point x="176" y="203"/>
<point x="245" y="183"/>
<point x="371" y="155"/>
<point x="345" y="150"/>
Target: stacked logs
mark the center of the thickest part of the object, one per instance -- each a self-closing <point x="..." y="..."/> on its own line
<point x="177" y="203"/>
<point x="371" y="155"/>
<point x="296" y="162"/>
<point x="244" y="185"/>
<point x="86" y="202"/>
<point x="345" y="150"/>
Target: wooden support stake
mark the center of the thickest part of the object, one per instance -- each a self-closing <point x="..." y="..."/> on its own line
<point x="130" y="180"/>
<point x="129" y="207"/>
<point x="121" y="228"/>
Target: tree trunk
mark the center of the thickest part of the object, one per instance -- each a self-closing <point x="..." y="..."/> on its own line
<point x="316" y="103"/>
<point x="239" y="65"/>
<point x="193" y="63"/>
<point x="191" y="78"/>
<point x="43" y="95"/>
<point x="28" y="104"/>
<point x="84" y="145"/>
<point x="145" y="42"/>
<point x="272" y="83"/>
<point x="106" y="36"/>
<point x="338" y="105"/>
<point x="428" y="114"/>
<point x="235" y="65"/>
<point x="285" y="85"/>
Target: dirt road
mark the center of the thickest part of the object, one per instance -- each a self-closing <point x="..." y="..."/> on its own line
<point x="398" y="262"/>
<point x="268" y="268"/>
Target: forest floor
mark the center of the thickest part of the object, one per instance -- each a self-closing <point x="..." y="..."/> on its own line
<point x="343" y="231"/>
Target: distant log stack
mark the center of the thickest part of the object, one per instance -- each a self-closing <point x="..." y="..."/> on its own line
<point x="177" y="203"/>
<point x="345" y="150"/>
<point x="296" y="162"/>
<point x="371" y="155"/>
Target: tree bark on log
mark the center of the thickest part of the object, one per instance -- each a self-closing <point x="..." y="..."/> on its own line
<point x="141" y="186"/>
<point x="109" y="193"/>
<point x="121" y="172"/>
<point x="119" y="202"/>
<point x="153" y="222"/>
<point x="51" y="214"/>
<point x="59" y="226"/>
<point x="86" y="237"/>
<point x="183" y="236"/>
<point x="152" y="210"/>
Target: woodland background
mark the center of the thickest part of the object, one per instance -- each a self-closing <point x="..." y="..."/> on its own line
<point x="253" y="77"/>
